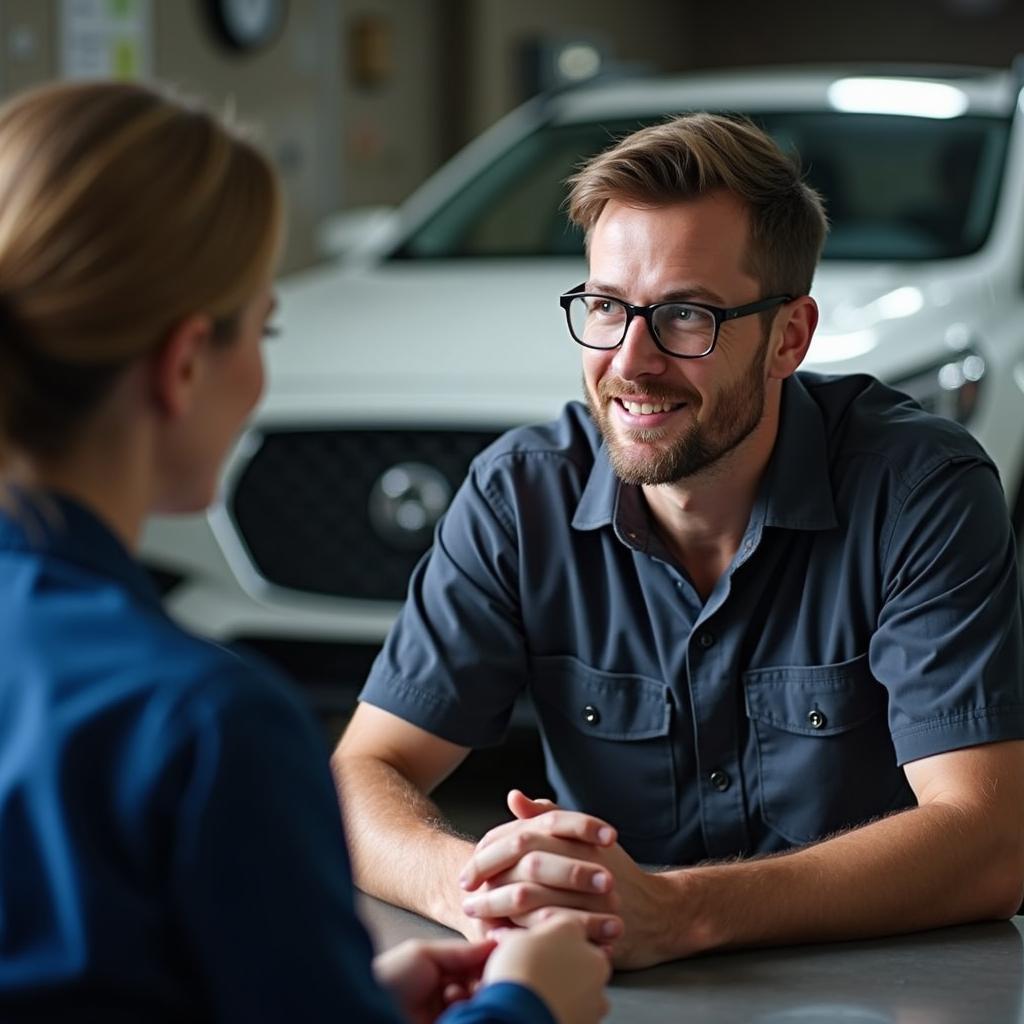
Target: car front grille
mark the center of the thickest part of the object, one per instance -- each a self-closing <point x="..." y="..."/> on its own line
<point x="308" y="505"/>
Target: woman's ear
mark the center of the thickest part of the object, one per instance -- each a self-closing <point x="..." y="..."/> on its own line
<point x="791" y="336"/>
<point x="176" y="365"/>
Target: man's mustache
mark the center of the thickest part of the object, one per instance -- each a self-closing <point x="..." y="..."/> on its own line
<point x="611" y="388"/>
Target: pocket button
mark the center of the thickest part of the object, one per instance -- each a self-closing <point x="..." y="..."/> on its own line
<point x="816" y="719"/>
<point x="591" y="715"/>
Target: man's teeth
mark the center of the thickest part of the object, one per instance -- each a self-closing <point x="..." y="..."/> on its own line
<point x="646" y="408"/>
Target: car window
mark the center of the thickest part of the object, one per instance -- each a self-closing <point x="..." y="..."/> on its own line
<point x="896" y="188"/>
<point x="900" y="187"/>
<point x="514" y="208"/>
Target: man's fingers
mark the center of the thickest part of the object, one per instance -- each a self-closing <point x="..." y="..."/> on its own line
<point x="499" y="832"/>
<point x="601" y="929"/>
<point x="523" y="806"/>
<point x="477" y="929"/>
<point x="514" y="901"/>
<point x="527" y="852"/>
<point x="558" y="872"/>
<point x="584" y="828"/>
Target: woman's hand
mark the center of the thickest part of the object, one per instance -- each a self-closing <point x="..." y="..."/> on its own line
<point x="558" y="963"/>
<point x="427" y="977"/>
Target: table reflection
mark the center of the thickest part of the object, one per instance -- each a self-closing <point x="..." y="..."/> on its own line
<point x="969" y="974"/>
<point x="964" y="975"/>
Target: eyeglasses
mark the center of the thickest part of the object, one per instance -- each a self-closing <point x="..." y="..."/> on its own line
<point x="686" y="330"/>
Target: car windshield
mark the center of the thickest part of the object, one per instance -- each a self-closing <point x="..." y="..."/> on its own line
<point x="896" y="188"/>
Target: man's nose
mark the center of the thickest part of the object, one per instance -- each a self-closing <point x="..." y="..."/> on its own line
<point x="638" y="356"/>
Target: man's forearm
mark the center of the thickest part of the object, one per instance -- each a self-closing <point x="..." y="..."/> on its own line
<point x="923" y="868"/>
<point x="402" y="850"/>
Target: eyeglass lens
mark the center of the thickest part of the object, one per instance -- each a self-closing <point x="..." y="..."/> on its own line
<point x="601" y="322"/>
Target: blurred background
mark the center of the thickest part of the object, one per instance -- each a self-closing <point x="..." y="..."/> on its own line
<point x="334" y="491"/>
<point x="361" y="100"/>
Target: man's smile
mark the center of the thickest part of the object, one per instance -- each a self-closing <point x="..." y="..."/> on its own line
<point x="644" y="411"/>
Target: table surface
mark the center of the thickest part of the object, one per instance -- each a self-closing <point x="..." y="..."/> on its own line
<point x="973" y="974"/>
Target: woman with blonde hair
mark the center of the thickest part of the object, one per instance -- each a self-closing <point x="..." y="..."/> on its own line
<point x="170" y="842"/>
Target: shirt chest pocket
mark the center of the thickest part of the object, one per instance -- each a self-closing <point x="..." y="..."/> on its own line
<point x="825" y="759"/>
<point x="607" y="744"/>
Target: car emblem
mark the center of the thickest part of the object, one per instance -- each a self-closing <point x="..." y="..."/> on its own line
<point x="406" y="502"/>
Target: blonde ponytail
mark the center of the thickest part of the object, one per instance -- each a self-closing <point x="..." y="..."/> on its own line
<point x="122" y="210"/>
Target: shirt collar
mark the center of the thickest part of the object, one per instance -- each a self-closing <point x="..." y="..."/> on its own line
<point x="796" y="492"/>
<point x="596" y="507"/>
<point x="56" y="526"/>
<point x="798" y="481"/>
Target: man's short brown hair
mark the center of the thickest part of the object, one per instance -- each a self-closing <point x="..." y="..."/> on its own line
<point x="695" y="154"/>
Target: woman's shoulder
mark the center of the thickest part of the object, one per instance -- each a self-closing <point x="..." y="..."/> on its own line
<point x="101" y="655"/>
<point x="198" y="670"/>
<point x="206" y="708"/>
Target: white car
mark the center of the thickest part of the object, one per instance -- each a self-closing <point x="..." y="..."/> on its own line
<point x="400" y="362"/>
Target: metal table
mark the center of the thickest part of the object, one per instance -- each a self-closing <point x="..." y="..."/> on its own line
<point x="968" y="975"/>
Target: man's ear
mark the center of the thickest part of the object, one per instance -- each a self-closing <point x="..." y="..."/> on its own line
<point x="791" y="336"/>
<point x="176" y="365"/>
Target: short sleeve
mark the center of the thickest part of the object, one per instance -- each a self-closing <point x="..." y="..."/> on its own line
<point x="949" y="646"/>
<point x="455" y="660"/>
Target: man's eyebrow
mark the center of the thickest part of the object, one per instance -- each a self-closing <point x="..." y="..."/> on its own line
<point x="600" y="286"/>
<point x="675" y="295"/>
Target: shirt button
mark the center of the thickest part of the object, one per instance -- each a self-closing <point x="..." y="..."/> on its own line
<point x="720" y="780"/>
<point x="816" y="719"/>
<point x="591" y="715"/>
<point x="706" y="639"/>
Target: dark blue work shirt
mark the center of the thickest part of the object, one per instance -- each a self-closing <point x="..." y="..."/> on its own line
<point x="870" y="617"/>
<point x="170" y="842"/>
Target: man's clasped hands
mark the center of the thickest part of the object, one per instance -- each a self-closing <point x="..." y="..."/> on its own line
<point x="547" y="862"/>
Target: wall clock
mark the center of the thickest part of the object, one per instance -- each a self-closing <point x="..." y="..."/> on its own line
<point x="247" y="25"/>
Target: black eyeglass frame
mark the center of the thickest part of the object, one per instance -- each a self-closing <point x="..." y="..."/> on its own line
<point x="719" y="315"/>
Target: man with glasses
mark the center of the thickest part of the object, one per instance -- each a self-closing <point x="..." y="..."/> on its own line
<point x="769" y="620"/>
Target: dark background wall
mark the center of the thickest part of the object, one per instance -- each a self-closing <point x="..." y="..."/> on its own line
<point x="483" y="47"/>
<point x="985" y="32"/>
<point x="359" y="100"/>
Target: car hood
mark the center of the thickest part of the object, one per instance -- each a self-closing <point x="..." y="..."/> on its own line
<point x="487" y="341"/>
<point x="410" y="338"/>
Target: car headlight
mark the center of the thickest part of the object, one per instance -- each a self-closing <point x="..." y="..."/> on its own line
<point x="951" y="388"/>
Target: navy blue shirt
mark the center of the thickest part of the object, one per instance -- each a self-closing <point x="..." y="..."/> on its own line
<point x="870" y="617"/>
<point x="170" y="842"/>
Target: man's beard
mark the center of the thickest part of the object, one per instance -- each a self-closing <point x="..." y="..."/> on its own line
<point x="739" y="411"/>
